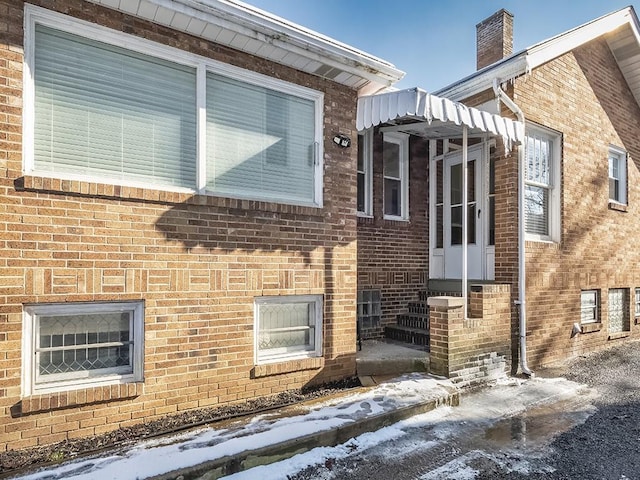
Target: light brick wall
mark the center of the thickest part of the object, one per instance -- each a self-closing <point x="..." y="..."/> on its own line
<point x="196" y="261"/>
<point x="584" y="96"/>
<point x="393" y="256"/>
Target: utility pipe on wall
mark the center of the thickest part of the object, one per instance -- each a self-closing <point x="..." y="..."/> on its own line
<point x="521" y="232"/>
<point x="465" y="220"/>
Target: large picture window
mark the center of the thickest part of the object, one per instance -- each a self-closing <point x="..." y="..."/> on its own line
<point x="542" y="180"/>
<point x="288" y="327"/>
<point x="107" y="107"/>
<point x="82" y="344"/>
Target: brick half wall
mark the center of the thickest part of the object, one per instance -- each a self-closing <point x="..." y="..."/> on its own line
<point x="477" y="348"/>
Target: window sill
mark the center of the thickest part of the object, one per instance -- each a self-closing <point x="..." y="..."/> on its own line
<point x="364" y="215"/>
<point x="590" y="327"/>
<point x="615" y="336"/>
<point x="35" y="183"/>
<point x="395" y="219"/>
<point x="287" y="366"/>
<point x="618" y="207"/>
<point x="73" y="398"/>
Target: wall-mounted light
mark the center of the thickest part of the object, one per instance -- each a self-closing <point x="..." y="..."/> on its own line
<point x="341" y="140"/>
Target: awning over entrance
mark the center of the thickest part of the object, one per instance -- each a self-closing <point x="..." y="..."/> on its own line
<point x="417" y="112"/>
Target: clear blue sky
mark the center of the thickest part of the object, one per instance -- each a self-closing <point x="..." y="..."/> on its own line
<point x="433" y="41"/>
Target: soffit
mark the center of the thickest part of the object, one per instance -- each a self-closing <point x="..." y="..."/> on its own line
<point x="251" y="30"/>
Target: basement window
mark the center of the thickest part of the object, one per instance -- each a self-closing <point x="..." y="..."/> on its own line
<point x="369" y="310"/>
<point x="589" y="306"/>
<point x="81" y="345"/>
<point x="288" y="327"/>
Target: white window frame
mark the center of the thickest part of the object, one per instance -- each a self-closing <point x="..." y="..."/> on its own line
<point x="620" y="155"/>
<point x="636" y="310"/>
<point x="367" y="163"/>
<point x="37" y="15"/>
<point x="30" y="343"/>
<point x="596" y="307"/>
<point x="555" y="181"/>
<point x="280" y="356"/>
<point x="402" y="140"/>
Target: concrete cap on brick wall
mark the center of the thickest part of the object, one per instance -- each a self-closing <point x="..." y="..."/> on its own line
<point x="445" y="302"/>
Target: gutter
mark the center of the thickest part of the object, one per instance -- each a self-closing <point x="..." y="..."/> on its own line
<point x="521" y="233"/>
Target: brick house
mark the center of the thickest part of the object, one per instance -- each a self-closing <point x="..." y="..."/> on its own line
<point x="164" y="247"/>
<point x="160" y="256"/>
<point x="577" y="94"/>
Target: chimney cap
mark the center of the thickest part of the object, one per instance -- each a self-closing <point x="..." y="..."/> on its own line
<point x="502" y="11"/>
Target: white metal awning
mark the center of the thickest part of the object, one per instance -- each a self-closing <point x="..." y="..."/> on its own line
<point x="417" y="112"/>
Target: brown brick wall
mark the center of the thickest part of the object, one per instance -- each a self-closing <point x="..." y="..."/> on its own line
<point x="393" y="256"/>
<point x="494" y="38"/>
<point x="197" y="262"/>
<point x="584" y="96"/>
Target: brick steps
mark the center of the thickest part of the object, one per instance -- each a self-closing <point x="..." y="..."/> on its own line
<point x="412" y="327"/>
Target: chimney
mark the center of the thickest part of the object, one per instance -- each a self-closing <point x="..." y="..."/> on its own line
<point x="494" y="38"/>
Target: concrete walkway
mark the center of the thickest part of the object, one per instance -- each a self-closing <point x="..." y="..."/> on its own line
<point x="385" y="357"/>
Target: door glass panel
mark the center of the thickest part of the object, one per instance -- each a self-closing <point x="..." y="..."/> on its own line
<point x="456" y="225"/>
<point x="455" y="191"/>
<point x="439" y="204"/>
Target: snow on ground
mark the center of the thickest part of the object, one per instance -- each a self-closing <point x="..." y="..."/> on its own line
<point x="158" y="456"/>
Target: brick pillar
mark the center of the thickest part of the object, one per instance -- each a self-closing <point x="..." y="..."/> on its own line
<point x="494" y="38"/>
<point x="445" y="316"/>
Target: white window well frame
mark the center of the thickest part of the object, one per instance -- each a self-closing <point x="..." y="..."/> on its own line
<point x="585" y="295"/>
<point x="33" y="384"/>
<point x="284" y="354"/>
<point x="34" y="15"/>
<point x="367" y="172"/>
<point x="620" y="155"/>
<point x="555" y="182"/>
<point x="402" y="140"/>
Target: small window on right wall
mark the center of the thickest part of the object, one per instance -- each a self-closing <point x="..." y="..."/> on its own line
<point x="617" y="175"/>
<point x="589" y="306"/>
<point x="637" y="304"/>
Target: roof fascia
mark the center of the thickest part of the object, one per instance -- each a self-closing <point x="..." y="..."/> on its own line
<point x="255" y="23"/>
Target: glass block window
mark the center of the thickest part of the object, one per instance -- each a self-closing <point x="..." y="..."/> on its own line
<point x="618" y="308"/>
<point x="589" y="306"/>
<point x="288" y="327"/>
<point x="76" y="344"/>
<point x="369" y="311"/>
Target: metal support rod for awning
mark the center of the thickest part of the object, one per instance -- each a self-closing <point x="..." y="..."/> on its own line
<point x="465" y="209"/>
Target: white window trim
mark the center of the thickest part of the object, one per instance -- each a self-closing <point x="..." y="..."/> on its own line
<point x="555" y="184"/>
<point x="367" y="159"/>
<point x="37" y="15"/>
<point x="29" y="342"/>
<point x="402" y="140"/>
<point x="636" y="310"/>
<point x="283" y="299"/>
<point x="597" y="307"/>
<point x="622" y="155"/>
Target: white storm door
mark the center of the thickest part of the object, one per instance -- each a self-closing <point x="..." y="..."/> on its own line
<point x="453" y="216"/>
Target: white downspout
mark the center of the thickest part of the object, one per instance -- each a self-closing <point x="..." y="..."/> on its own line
<point x="521" y="232"/>
<point x="465" y="220"/>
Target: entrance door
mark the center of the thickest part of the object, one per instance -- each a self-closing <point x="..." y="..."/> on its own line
<point x="453" y="215"/>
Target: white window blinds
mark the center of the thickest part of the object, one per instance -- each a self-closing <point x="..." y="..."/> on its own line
<point x="260" y="142"/>
<point x="104" y="111"/>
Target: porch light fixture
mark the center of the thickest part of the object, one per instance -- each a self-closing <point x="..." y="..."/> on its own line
<point x="341" y="140"/>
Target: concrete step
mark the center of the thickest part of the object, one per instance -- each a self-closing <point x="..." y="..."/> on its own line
<point x="384" y="357"/>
